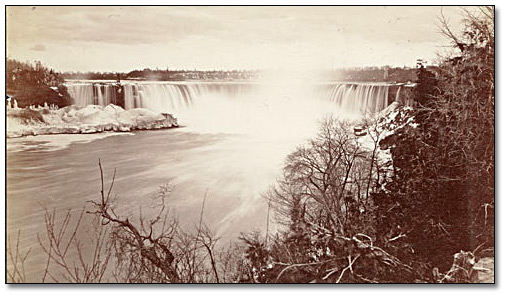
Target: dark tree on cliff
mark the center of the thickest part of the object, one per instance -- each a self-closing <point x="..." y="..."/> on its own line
<point x="442" y="198"/>
<point x="425" y="91"/>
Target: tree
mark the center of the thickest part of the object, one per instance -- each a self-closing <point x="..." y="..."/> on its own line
<point x="324" y="201"/>
<point x="34" y="85"/>
<point x="442" y="197"/>
<point x="130" y="250"/>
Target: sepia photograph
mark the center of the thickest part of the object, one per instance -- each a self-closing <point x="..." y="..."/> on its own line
<point x="249" y="144"/>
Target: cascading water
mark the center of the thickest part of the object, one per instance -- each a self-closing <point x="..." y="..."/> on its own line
<point x="100" y="98"/>
<point x="84" y="94"/>
<point x="231" y="146"/>
<point x="159" y="97"/>
<point x="239" y="107"/>
<point x="108" y="94"/>
<point x="397" y="96"/>
<point x="360" y="98"/>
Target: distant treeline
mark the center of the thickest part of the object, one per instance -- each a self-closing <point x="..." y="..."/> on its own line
<point x="35" y="84"/>
<point x="166" y="75"/>
<point x="362" y="74"/>
<point x="375" y="74"/>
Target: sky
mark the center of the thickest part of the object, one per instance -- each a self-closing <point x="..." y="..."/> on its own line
<point x="204" y="38"/>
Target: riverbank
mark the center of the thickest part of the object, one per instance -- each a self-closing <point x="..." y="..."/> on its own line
<point x="84" y="120"/>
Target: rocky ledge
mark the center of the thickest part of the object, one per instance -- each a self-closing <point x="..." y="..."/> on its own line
<point x="86" y="120"/>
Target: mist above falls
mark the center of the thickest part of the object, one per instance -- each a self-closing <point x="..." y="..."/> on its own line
<point x="278" y="106"/>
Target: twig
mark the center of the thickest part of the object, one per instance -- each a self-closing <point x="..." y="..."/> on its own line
<point x="351" y="262"/>
<point x="192" y="273"/>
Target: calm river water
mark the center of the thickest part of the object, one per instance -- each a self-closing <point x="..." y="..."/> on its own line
<point x="230" y="150"/>
<point x="233" y="169"/>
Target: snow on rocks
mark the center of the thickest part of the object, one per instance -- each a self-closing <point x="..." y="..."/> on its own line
<point x="86" y="120"/>
<point x="380" y="132"/>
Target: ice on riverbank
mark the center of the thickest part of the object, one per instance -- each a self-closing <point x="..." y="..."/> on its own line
<point x="43" y="143"/>
<point x="86" y="120"/>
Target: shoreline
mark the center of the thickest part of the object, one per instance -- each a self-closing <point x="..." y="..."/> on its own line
<point x="91" y="119"/>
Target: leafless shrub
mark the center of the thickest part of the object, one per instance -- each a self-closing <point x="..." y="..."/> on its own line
<point x="16" y="271"/>
<point x="329" y="180"/>
<point x="324" y="199"/>
<point x="145" y="250"/>
<point x="64" y="248"/>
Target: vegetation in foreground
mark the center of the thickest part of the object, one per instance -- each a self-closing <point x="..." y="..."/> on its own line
<point x="348" y="215"/>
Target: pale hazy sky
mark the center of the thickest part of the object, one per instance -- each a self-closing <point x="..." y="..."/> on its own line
<point x="127" y="38"/>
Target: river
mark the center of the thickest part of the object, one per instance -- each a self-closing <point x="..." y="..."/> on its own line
<point x="229" y="149"/>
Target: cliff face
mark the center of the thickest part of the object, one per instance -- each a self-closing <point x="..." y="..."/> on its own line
<point x="90" y="119"/>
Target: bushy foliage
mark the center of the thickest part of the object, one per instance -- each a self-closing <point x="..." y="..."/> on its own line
<point x="32" y="84"/>
<point x="442" y="197"/>
<point x="324" y="201"/>
<point x="342" y="226"/>
<point x="346" y="215"/>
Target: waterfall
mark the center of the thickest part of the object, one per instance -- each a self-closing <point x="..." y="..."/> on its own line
<point x="100" y="99"/>
<point x="172" y="97"/>
<point x="92" y="93"/>
<point x="362" y="98"/>
<point x="82" y="93"/>
<point x="355" y="98"/>
<point x="107" y="94"/>
<point x="129" y="96"/>
<point x="397" y="97"/>
<point x="159" y="97"/>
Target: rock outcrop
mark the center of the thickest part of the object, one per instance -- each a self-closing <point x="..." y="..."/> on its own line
<point x="86" y="120"/>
